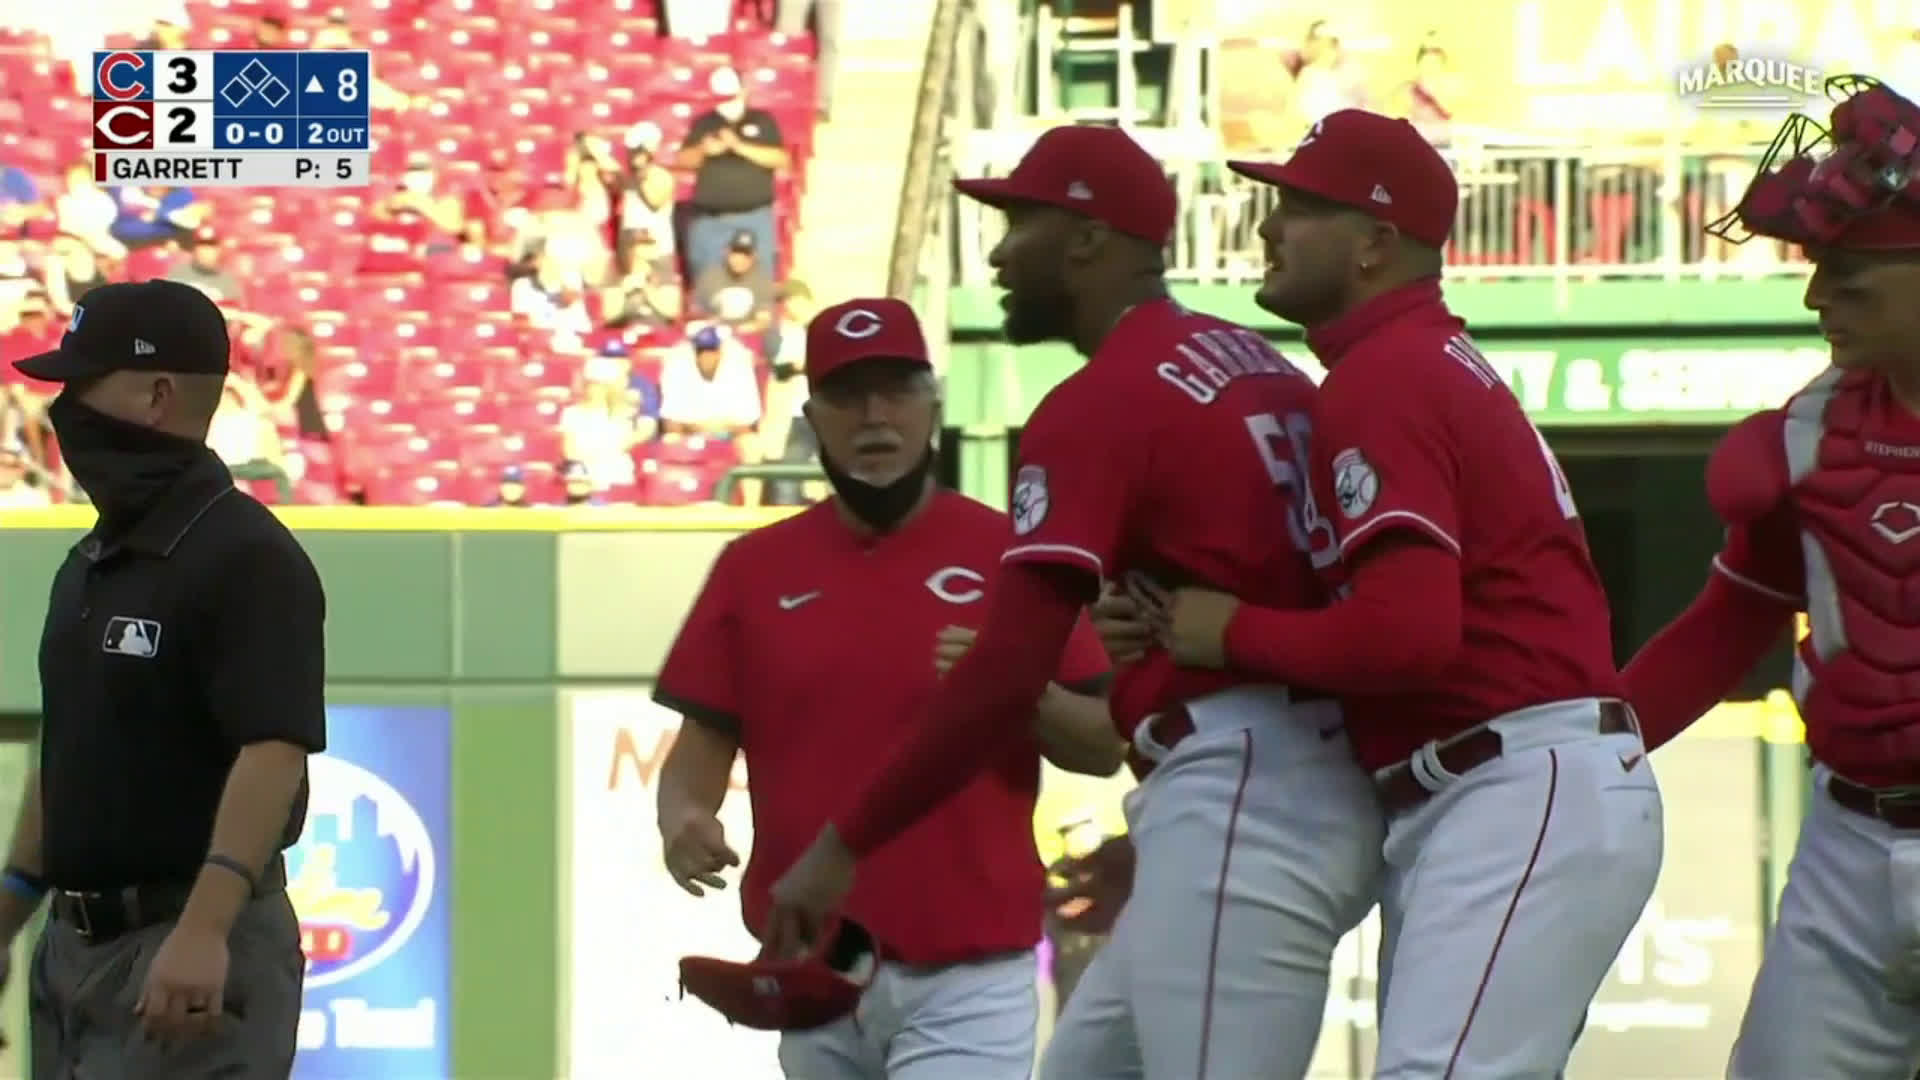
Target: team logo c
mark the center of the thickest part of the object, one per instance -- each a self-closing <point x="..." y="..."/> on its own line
<point x="859" y="323"/>
<point x="107" y="74"/>
<point x="939" y="585"/>
<point x="123" y="125"/>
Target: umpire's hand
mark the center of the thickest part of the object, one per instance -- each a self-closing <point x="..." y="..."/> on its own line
<point x="696" y="851"/>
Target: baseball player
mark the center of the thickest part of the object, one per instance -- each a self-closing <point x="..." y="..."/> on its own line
<point x="1819" y="500"/>
<point x="1176" y="452"/>
<point x="1470" y="645"/>
<point x="812" y="646"/>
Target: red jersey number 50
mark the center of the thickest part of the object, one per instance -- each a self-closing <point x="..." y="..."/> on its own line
<point x="1284" y="444"/>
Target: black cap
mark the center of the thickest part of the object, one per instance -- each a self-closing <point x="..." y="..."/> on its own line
<point x="137" y="326"/>
<point x="743" y="241"/>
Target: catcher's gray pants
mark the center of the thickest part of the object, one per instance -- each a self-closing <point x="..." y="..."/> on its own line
<point x="81" y="996"/>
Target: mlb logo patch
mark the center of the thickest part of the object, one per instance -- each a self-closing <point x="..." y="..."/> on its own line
<point x="131" y="637"/>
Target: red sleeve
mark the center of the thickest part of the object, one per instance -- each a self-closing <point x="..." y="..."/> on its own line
<point x="1697" y="660"/>
<point x="1390" y="464"/>
<point x="698" y="679"/>
<point x="1397" y="628"/>
<point x="1072" y="491"/>
<point x="1764" y="557"/>
<point x="1084" y="660"/>
<point x="984" y="703"/>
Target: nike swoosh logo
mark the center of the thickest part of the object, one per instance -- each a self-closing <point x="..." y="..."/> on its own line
<point x="788" y="603"/>
<point x="1628" y="761"/>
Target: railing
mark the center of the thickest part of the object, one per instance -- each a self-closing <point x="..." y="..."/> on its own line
<point x="1557" y="213"/>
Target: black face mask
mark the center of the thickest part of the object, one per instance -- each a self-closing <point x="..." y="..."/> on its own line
<point x="123" y="467"/>
<point x="880" y="506"/>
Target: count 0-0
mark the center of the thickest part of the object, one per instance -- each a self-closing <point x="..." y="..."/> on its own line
<point x="271" y="133"/>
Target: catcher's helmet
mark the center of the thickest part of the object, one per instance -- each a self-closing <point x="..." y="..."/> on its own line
<point x="1847" y="185"/>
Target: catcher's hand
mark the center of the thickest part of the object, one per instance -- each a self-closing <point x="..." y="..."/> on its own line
<point x="1088" y="891"/>
<point x="696" y="852"/>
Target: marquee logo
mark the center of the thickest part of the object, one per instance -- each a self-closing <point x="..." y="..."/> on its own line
<point x="1731" y="81"/>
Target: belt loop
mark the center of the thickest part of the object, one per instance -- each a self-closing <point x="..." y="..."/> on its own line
<point x="1427" y="770"/>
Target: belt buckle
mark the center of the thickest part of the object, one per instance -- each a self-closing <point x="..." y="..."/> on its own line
<point x="1898" y="798"/>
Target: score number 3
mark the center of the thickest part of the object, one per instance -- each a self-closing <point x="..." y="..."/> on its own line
<point x="1284" y="444"/>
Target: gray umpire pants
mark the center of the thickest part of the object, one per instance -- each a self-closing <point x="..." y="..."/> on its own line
<point x="81" y="996"/>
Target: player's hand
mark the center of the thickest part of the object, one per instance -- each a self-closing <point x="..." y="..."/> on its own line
<point x="1190" y="623"/>
<point x="697" y="851"/>
<point x="950" y="646"/>
<point x="1088" y="891"/>
<point x="1122" y="626"/>
<point x="808" y="894"/>
<point x="182" y="997"/>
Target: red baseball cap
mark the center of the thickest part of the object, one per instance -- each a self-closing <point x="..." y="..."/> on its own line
<point x="1097" y="172"/>
<point x="1378" y="164"/>
<point x="865" y="329"/>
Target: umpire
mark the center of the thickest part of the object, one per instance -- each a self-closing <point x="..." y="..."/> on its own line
<point x="181" y="668"/>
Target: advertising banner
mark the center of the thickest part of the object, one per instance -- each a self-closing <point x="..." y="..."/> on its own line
<point x="369" y="880"/>
<point x="628" y="923"/>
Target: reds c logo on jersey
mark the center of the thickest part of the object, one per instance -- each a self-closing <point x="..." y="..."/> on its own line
<point x="971" y="585"/>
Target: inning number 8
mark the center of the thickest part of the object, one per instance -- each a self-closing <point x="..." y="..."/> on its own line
<point x="349" y="85"/>
<point x="1284" y="449"/>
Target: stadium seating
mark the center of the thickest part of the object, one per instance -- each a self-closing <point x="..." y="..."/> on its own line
<point x="427" y="381"/>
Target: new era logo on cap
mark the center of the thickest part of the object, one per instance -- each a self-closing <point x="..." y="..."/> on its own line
<point x="1381" y="195"/>
<point x="143" y="347"/>
<point x="1079" y="190"/>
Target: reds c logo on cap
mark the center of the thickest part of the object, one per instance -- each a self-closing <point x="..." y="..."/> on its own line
<point x="859" y="323"/>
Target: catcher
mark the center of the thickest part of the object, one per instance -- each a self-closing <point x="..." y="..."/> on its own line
<point x="814" y="642"/>
<point x="1821" y="498"/>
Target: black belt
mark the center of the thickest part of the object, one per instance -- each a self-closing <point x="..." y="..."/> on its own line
<point x="1400" y="790"/>
<point x="110" y="913"/>
<point x="1898" y="807"/>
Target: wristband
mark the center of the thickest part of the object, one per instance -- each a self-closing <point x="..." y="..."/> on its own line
<point x="235" y="866"/>
<point x="28" y="887"/>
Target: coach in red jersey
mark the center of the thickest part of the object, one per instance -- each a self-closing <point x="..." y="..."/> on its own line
<point x="1177" y="453"/>
<point x="1471" y="644"/>
<point x="1819" y="498"/>
<point x="811" y="649"/>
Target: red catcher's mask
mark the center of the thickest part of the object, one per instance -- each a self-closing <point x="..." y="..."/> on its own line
<point x="1848" y="185"/>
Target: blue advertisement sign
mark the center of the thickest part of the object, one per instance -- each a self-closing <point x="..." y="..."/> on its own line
<point x="369" y="879"/>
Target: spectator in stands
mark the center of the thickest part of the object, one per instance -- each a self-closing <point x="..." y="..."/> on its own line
<point x="421" y="193"/>
<point x="201" y="267"/>
<point x="84" y="209"/>
<point x="18" y="491"/>
<point x="151" y="216"/>
<point x="708" y="387"/>
<point x="598" y="431"/>
<point x="513" y="488"/>
<point x="270" y="30"/>
<point x="735" y="150"/>
<point x="19" y="197"/>
<point x="646" y="203"/>
<point x="553" y="297"/>
<point x="791" y="19"/>
<point x="498" y="202"/>
<point x="72" y="270"/>
<point x="577" y="485"/>
<point x="738" y="290"/>
<point x="29" y="329"/>
<point x="1324" y="80"/>
<point x="592" y="176"/>
<point x="166" y="33"/>
<point x="646" y="301"/>
<point x="242" y="431"/>
<point x="16" y="282"/>
<point x="1432" y="91"/>
<point x="785" y="435"/>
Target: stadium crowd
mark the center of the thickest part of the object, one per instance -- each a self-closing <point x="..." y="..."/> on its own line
<point x="590" y="302"/>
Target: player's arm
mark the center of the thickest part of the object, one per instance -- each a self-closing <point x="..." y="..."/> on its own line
<point x="1395" y="511"/>
<point x="1750" y="597"/>
<point x="1072" y="722"/>
<point x="698" y="682"/>
<point x="986" y="701"/>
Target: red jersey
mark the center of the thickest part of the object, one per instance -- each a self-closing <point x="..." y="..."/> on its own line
<point x="818" y="644"/>
<point x="1820" y="499"/>
<point x="1177" y="452"/>
<point x="1420" y="434"/>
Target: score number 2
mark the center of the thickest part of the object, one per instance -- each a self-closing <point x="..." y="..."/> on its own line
<point x="1285" y="445"/>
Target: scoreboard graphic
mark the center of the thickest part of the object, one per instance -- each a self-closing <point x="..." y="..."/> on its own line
<point x="232" y="118"/>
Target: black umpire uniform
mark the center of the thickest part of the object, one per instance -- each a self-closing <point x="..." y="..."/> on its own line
<point x="186" y="626"/>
